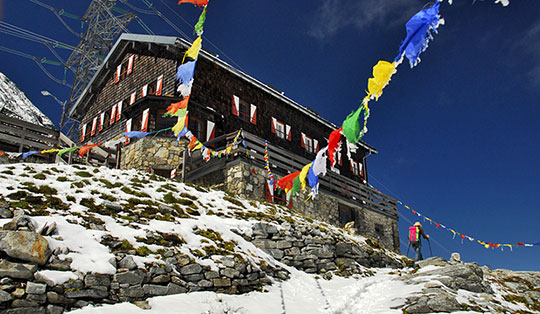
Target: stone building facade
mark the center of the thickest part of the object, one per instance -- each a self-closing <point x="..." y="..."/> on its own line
<point x="136" y="84"/>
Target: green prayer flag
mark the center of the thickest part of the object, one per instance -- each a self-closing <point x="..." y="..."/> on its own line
<point x="351" y="126"/>
<point x="296" y="185"/>
<point x="200" y="23"/>
<point x="67" y="150"/>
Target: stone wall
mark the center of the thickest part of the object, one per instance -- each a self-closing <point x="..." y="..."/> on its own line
<point x="249" y="181"/>
<point x="26" y="288"/>
<point x="158" y="153"/>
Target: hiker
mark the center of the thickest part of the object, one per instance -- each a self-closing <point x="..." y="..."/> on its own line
<point x="415" y="232"/>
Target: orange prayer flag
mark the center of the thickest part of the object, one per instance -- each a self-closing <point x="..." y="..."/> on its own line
<point x="2" y="153"/>
<point x="192" y="142"/>
<point x="182" y="104"/>
<point x="86" y="148"/>
<point x="196" y="2"/>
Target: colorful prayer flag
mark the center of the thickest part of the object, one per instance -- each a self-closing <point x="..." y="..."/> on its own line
<point x="195" y="2"/>
<point x="419" y="29"/>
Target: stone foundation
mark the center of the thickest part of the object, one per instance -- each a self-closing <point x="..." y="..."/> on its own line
<point x="249" y="181"/>
<point x="158" y="153"/>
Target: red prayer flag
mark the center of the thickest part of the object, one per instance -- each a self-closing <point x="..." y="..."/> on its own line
<point x="437" y="224"/>
<point x="286" y="183"/>
<point x="333" y="141"/>
<point x="196" y="2"/>
<point x="86" y="148"/>
<point x="521" y="243"/>
<point x="2" y="153"/>
<point x="462" y="236"/>
<point x="414" y="211"/>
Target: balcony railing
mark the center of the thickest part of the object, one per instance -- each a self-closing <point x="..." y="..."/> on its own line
<point x="284" y="162"/>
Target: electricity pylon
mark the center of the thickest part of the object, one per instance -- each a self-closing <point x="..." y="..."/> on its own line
<point x="103" y="29"/>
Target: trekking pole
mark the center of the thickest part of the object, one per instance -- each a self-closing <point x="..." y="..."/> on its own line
<point x="429" y="242"/>
<point x="408" y="248"/>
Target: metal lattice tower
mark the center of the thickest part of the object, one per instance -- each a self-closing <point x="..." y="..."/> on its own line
<point x="103" y="29"/>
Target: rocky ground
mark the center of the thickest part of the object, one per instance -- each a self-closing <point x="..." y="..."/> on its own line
<point x="78" y="236"/>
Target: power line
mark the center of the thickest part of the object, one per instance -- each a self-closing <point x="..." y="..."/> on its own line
<point x="58" y="14"/>
<point x="205" y="38"/>
<point x="39" y="62"/>
<point x="20" y="32"/>
<point x="163" y="17"/>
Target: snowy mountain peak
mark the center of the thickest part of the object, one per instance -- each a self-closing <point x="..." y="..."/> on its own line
<point x="14" y="103"/>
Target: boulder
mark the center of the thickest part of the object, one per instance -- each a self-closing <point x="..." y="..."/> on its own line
<point x="25" y="245"/>
<point x="134" y="277"/>
<point x="5" y="297"/>
<point x="4" y="210"/>
<point x="16" y="270"/>
<point x="20" y="221"/>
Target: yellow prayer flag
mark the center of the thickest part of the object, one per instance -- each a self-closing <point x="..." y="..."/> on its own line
<point x="382" y="72"/>
<point x="303" y="174"/>
<point x="53" y="150"/>
<point x="193" y="51"/>
<point x="177" y="128"/>
<point x="198" y="146"/>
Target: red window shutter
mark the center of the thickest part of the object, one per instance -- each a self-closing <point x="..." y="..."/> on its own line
<point x="118" y="110"/>
<point x="132" y="98"/>
<point x="128" y="129"/>
<point x="118" y="73"/>
<point x="352" y="166"/>
<point x="83" y="133"/>
<point x="361" y="169"/>
<point x="144" y="90"/>
<point x="302" y="140"/>
<point x="159" y="85"/>
<point x="101" y="121"/>
<point x="274" y="125"/>
<point x="288" y="132"/>
<point x="130" y="65"/>
<point x="236" y="105"/>
<point x="113" y="114"/>
<point x="94" y="126"/>
<point x="253" y="114"/>
<point x="144" y="122"/>
<point x="316" y="145"/>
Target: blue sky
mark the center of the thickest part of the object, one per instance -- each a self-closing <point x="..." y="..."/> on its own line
<point x="458" y="135"/>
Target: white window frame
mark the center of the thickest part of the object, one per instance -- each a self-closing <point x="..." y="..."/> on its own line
<point x="280" y="130"/>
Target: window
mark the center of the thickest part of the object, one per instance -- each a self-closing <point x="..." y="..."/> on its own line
<point x="244" y="111"/>
<point x="307" y="143"/>
<point x="196" y="126"/>
<point x="126" y="101"/>
<point x="164" y="122"/>
<point x="354" y="167"/>
<point x="152" y="88"/>
<point x="124" y="69"/>
<point x="280" y="130"/>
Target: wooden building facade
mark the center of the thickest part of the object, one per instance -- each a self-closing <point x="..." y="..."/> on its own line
<point x="136" y="84"/>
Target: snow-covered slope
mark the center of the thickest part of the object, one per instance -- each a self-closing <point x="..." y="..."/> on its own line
<point x="14" y="103"/>
<point x="104" y="217"/>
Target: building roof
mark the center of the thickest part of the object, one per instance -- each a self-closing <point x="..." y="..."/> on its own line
<point x="171" y="43"/>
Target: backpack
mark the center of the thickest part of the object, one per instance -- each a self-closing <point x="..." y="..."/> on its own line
<point x="414" y="234"/>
